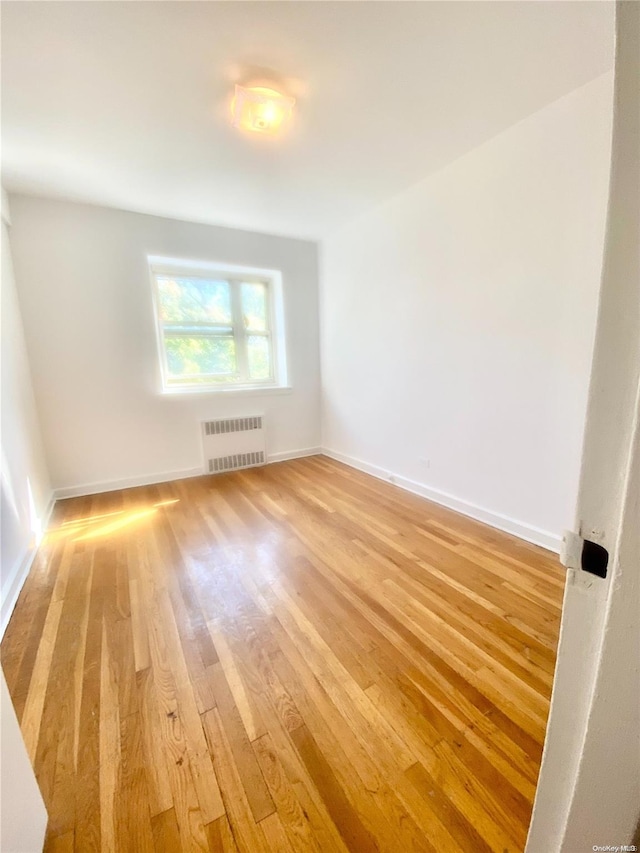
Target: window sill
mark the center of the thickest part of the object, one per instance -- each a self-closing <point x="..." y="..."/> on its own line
<point x="239" y="391"/>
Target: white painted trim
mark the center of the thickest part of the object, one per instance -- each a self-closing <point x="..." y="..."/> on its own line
<point x="234" y="275"/>
<point x="521" y="529"/>
<point x="294" y="454"/>
<point x="235" y="391"/>
<point x="126" y="483"/>
<point x="517" y="528"/>
<point x="164" y="477"/>
<point x="14" y="584"/>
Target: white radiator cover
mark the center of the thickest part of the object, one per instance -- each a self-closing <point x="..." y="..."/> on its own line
<point x="233" y="443"/>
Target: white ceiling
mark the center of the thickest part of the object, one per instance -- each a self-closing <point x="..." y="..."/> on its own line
<point x="126" y="103"/>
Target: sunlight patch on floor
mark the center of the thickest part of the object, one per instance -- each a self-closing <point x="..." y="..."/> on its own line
<point x="93" y="526"/>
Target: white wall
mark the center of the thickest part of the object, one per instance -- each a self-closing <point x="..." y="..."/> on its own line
<point x="589" y="788"/>
<point x="26" y="496"/>
<point x="86" y="303"/>
<point x="23" y="817"/>
<point x="458" y="321"/>
<point x="26" y="490"/>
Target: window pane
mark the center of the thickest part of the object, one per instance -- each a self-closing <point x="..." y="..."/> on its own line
<point x="192" y="358"/>
<point x="196" y="299"/>
<point x="254" y="307"/>
<point x="258" y="352"/>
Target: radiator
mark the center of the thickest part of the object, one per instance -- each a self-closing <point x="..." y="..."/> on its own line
<point x="233" y="443"/>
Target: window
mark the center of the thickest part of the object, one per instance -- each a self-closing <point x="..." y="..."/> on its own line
<point x="218" y="328"/>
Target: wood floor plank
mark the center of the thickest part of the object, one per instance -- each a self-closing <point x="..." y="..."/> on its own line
<point x="248" y="835"/>
<point x="295" y="658"/>
<point x="461" y="829"/>
<point x="248" y="769"/>
<point x="159" y="788"/>
<point x="57" y="753"/>
<point x="170" y="734"/>
<point x="141" y="654"/>
<point x="131" y="808"/>
<point x="110" y="746"/>
<point x="346" y="694"/>
<point x="220" y="836"/>
<point x="275" y="835"/>
<point x="87" y="788"/>
<point x="165" y="832"/>
<point x="203" y="691"/>
<point x="292" y="815"/>
<point x="253" y="724"/>
<point x="22" y="637"/>
<point x="32" y="713"/>
<point x="368" y="779"/>
<point x="357" y="838"/>
<point x="60" y="843"/>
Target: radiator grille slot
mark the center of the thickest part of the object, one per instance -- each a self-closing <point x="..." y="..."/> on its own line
<point x="232" y="443"/>
<point x="223" y="427"/>
<point x="235" y="461"/>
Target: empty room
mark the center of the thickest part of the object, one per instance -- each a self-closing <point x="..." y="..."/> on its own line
<point x="320" y="443"/>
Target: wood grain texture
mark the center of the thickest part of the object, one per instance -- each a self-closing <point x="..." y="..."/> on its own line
<point x="290" y="658"/>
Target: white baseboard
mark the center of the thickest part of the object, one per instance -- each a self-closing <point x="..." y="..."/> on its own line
<point x="125" y="483"/>
<point x="164" y="477"/>
<point x="294" y="454"/>
<point x="521" y="529"/>
<point x="14" y="584"/>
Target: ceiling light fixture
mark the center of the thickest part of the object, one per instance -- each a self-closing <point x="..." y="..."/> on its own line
<point x="260" y="109"/>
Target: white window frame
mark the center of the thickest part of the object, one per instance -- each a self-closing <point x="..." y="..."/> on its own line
<point x="236" y="276"/>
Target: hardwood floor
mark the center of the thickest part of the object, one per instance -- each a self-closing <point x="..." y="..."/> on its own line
<point x="290" y="658"/>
